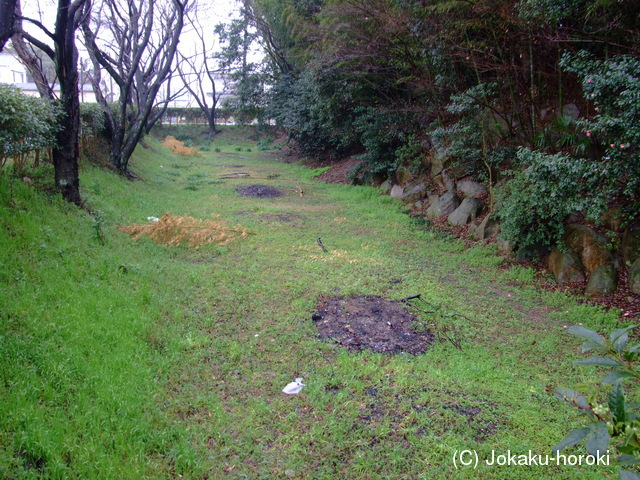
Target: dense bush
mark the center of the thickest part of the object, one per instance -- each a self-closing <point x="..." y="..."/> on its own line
<point x="316" y="112"/>
<point x="27" y="125"/>
<point x="534" y="203"/>
<point x="93" y="120"/>
<point x="292" y="105"/>
<point x="613" y="88"/>
<point x="382" y="135"/>
<point x="468" y="136"/>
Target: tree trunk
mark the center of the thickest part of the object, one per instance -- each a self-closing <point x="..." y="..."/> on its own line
<point x="65" y="156"/>
<point x="67" y="153"/>
<point x="116" y="140"/>
<point x="211" y="119"/>
<point x="7" y="8"/>
<point x="28" y="58"/>
<point x="212" y="127"/>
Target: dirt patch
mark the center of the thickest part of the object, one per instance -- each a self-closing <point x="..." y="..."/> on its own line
<point x="372" y="323"/>
<point x="340" y="171"/>
<point x="259" y="191"/>
<point x="480" y="414"/>
<point x="285" y="218"/>
<point x="430" y="411"/>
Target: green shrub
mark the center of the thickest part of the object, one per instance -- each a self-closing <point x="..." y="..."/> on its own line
<point x="467" y="140"/>
<point x="563" y="134"/>
<point x="534" y="203"/>
<point x="93" y="120"/>
<point x="315" y="111"/>
<point x="265" y="143"/>
<point x="383" y="136"/>
<point x="27" y="125"/>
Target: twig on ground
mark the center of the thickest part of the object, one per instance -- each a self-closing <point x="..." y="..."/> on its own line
<point x="449" y="332"/>
<point x="412" y="297"/>
<point x="322" y="246"/>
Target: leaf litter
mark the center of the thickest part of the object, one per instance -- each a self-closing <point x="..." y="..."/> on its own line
<point x="173" y="230"/>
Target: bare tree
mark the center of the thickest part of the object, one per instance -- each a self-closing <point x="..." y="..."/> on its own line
<point x="144" y="38"/>
<point x="198" y="73"/>
<point x="160" y="108"/>
<point x="32" y="58"/>
<point x="61" y="48"/>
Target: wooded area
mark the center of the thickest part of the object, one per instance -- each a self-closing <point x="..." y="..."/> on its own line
<point x="546" y="89"/>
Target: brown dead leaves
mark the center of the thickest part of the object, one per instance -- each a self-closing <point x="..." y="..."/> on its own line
<point x="178" y="147"/>
<point x="173" y="230"/>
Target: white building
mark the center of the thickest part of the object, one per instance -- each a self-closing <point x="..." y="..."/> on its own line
<point x="182" y="98"/>
<point x="13" y="72"/>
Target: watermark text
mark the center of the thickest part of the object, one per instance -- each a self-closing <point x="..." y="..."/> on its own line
<point x="471" y="459"/>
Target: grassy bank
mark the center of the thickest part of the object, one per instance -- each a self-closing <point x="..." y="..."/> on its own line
<point x="138" y="360"/>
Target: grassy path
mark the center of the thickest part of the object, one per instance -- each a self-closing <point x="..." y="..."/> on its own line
<point x="144" y="361"/>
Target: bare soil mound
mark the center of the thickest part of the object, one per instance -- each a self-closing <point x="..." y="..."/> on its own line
<point x="259" y="191"/>
<point x="372" y="323"/>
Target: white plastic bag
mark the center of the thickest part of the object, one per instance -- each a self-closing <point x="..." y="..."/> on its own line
<point x="294" y="387"/>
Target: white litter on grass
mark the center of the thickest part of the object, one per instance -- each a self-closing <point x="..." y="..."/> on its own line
<point x="153" y="219"/>
<point x="294" y="387"/>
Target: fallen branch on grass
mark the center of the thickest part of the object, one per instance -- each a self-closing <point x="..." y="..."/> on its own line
<point x="449" y="332"/>
<point x="322" y="246"/>
<point x="419" y="297"/>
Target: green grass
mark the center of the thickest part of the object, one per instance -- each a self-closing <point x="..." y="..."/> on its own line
<point x="136" y="360"/>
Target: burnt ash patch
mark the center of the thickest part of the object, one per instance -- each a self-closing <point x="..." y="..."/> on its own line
<point x="259" y="191"/>
<point x="368" y="322"/>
